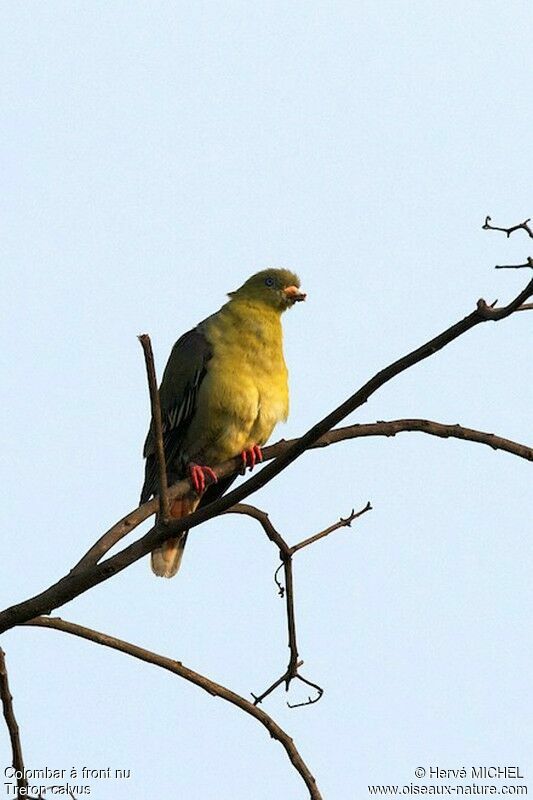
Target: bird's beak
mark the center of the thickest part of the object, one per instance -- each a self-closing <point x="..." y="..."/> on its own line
<point x="294" y="294"/>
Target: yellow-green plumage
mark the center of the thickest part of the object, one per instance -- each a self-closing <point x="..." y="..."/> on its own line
<point x="245" y="391"/>
<point x="224" y="389"/>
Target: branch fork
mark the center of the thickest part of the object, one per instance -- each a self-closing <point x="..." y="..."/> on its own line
<point x="286" y="553"/>
<point x="524" y="226"/>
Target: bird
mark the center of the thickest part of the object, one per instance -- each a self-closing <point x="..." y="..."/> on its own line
<point x="224" y="389"/>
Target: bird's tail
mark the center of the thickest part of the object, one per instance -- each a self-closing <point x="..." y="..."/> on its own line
<point x="166" y="558"/>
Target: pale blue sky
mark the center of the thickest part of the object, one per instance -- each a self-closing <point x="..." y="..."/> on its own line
<point x="156" y="154"/>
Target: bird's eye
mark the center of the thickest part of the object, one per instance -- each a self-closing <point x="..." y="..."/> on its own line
<point x="269" y="281"/>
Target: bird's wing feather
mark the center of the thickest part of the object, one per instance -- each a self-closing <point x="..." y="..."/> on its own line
<point x="178" y="394"/>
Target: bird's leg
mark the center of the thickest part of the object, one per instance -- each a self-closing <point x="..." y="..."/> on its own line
<point x="250" y="457"/>
<point x="198" y="475"/>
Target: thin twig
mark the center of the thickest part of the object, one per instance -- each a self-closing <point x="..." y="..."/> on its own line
<point x="529" y="263"/>
<point x="258" y="698"/>
<point x="508" y="231"/>
<point x="342" y="523"/>
<point x="281" y="588"/>
<point x="214" y="689"/>
<point x="12" y="727"/>
<point x="310" y="700"/>
<point x="157" y="427"/>
<point x="82" y="578"/>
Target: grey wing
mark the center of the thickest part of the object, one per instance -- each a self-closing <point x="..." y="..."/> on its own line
<point x="178" y="394"/>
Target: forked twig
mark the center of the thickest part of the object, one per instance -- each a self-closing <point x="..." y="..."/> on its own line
<point x="310" y="700"/>
<point x="286" y="553"/>
<point x="524" y="226"/>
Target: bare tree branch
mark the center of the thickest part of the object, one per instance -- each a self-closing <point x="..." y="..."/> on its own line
<point x="234" y="466"/>
<point x="381" y="428"/>
<point x="286" y="553"/>
<point x="342" y="523"/>
<point x="529" y="263"/>
<point x="286" y="556"/>
<point x="524" y="226"/>
<point x="443" y="431"/>
<point x="508" y="231"/>
<point x="214" y="689"/>
<point x="80" y="579"/>
<point x="12" y="726"/>
<point x="157" y="427"/>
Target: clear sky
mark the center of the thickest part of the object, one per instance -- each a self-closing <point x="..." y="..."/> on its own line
<point x="154" y="154"/>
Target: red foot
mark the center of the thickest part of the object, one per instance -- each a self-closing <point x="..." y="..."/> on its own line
<point x="197" y="476"/>
<point x="250" y="457"/>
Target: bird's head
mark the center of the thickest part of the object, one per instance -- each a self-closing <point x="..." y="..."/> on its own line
<point x="277" y="288"/>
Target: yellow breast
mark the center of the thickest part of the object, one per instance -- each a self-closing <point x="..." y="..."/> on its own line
<point x="245" y="391"/>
